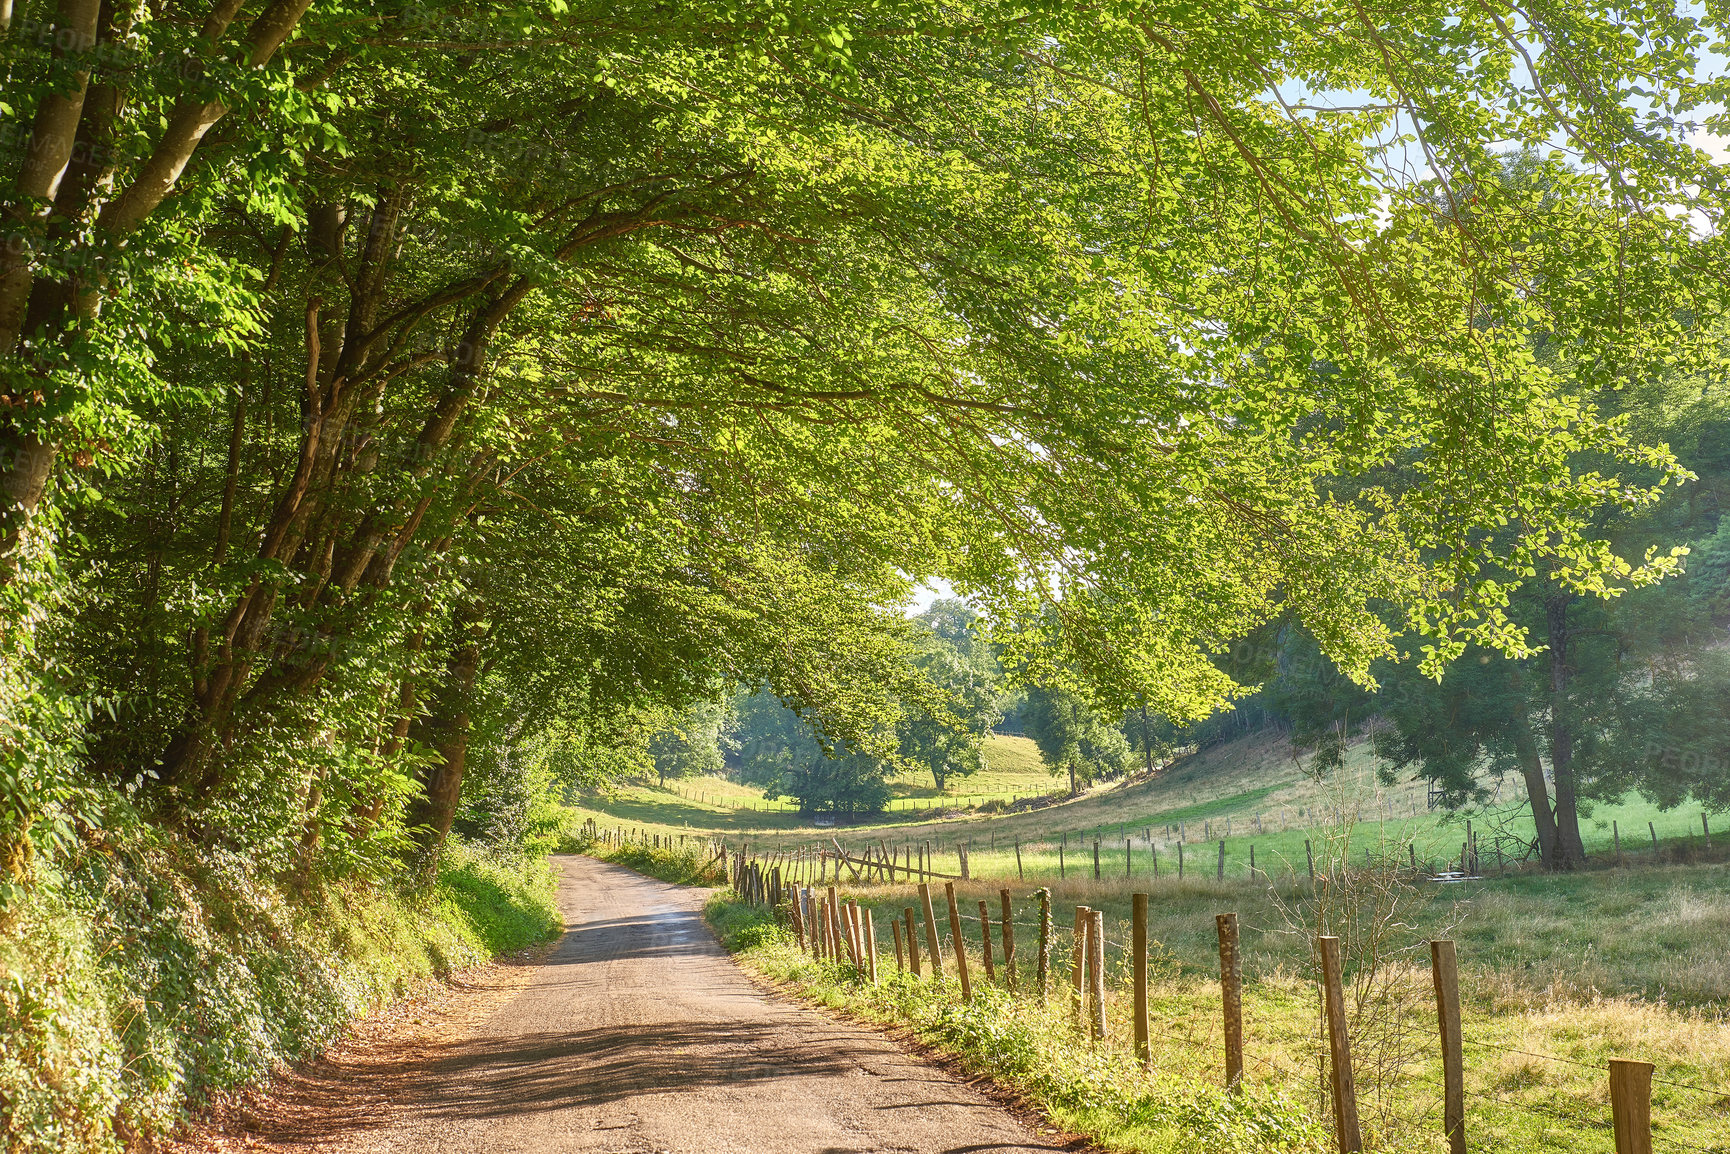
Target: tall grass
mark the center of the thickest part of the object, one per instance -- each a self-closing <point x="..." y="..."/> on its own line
<point x="692" y="864"/>
<point x="1030" y="1047"/>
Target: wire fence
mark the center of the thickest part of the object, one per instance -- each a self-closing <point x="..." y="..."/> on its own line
<point x="1573" y="1103"/>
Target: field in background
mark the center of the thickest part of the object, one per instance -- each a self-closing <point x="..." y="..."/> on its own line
<point x="1012" y="771"/>
<point x="1251" y="793"/>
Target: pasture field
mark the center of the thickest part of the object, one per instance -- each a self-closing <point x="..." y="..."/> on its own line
<point x="1549" y="997"/>
<point x="1251" y="794"/>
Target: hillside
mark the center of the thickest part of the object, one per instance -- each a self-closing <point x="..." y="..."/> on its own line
<point x="1252" y="791"/>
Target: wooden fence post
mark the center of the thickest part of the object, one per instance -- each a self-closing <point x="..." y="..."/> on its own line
<point x="1653" y="830"/>
<point x="1231" y="998"/>
<point x="1631" y="1105"/>
<point x="1096" y="860"/>
<point x="1180" y="861"/>
<point x="870" y="944"/>
<point x="1444" y="968"/>
<point x="1222" y="859"/>
<point x="1127" y="872"/>
<point x="1043" y="962"/>
<point x="1061" y="874"/>
<point x="900" y="953"/>
<point x="1310" y="854"/>
<point x="1339" y="1050"/>
<point x="912" y="942"/>
<point x="1138" y="945"/>
<point x="985" y="941"/>
<point x="1009" y="974"/>
<point x="1096" y="970"/>
<point x="1018" y="874"/>
<point x="934" y="945"/>
<point x="1616" y="835"/>
<point x="959" y="942"/>
<point x="1078" y="965"/>
<point x="1706" y="828"/>
<point x="836" y="941"/>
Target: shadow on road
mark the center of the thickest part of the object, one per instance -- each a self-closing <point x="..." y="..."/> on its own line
<point x="482" y="1078"/>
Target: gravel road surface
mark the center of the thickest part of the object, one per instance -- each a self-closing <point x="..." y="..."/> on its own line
<point x="637" y="1033"/>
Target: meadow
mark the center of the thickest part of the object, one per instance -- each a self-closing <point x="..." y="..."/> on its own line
<point x="1547" y="1002"/>
<point x="1251" y="794"/>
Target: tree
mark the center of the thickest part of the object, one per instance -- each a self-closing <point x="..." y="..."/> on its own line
<point x="1072" y="738"/>
<point x="943" y="729"/>
<point x="438" y="393"/>
<point x="690" y="745"/>
<point x="846" y="780"/>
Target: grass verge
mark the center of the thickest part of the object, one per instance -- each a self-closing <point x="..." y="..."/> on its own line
<point x="1030" y="1048"/>
<point x="1537" y="1050"/>
<point x="692" y="864"/>
<point x="145" y="976"/>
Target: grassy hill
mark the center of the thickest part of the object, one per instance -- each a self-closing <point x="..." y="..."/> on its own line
<point x="1248" y="793"/>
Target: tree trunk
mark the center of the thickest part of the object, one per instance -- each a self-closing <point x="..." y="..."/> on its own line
<point x="430" y="814"/>
<point x="1537" y="793"/>
<point x="25" y="462"/>
<point x="1570" y="849"/>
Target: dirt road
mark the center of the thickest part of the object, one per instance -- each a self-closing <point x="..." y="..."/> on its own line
<point x="637" y="1033"/>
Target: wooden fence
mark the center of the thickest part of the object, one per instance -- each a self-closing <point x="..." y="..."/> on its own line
<point x="838" y="929"/>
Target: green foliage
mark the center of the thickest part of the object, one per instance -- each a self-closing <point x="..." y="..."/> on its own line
<point x="692" y="865"/>
<point x="780" y="750"/>
<point x="741" y="927"/>
<point x="149" y="975"/>
<point x="690" y="745"/>
<point x="943" y="731"/>
<point x="848" y="779"/>
<point x="1072" y="738"/>
<point x="668" y="351"/>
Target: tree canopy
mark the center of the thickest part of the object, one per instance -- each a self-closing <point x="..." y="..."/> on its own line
<point x="377" y="378"/>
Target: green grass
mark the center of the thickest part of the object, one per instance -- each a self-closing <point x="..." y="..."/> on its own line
<point x="1559" y="973"/>
<point x="1012" y="771"/>
<point x="690" y="864"/>
<point x="1250" y="793"/>
<point x="1030" y="1048"/>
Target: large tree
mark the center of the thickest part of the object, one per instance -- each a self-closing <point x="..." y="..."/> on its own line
<point x="1074" y="739"/>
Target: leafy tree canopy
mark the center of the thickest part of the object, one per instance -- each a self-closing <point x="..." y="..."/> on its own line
<point x="374" y="378"/>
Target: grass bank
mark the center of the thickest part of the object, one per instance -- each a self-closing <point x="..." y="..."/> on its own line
<point x="142" y="977"/>
<point x="1031" y="1048"/>
<point x="689" y="865"/>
